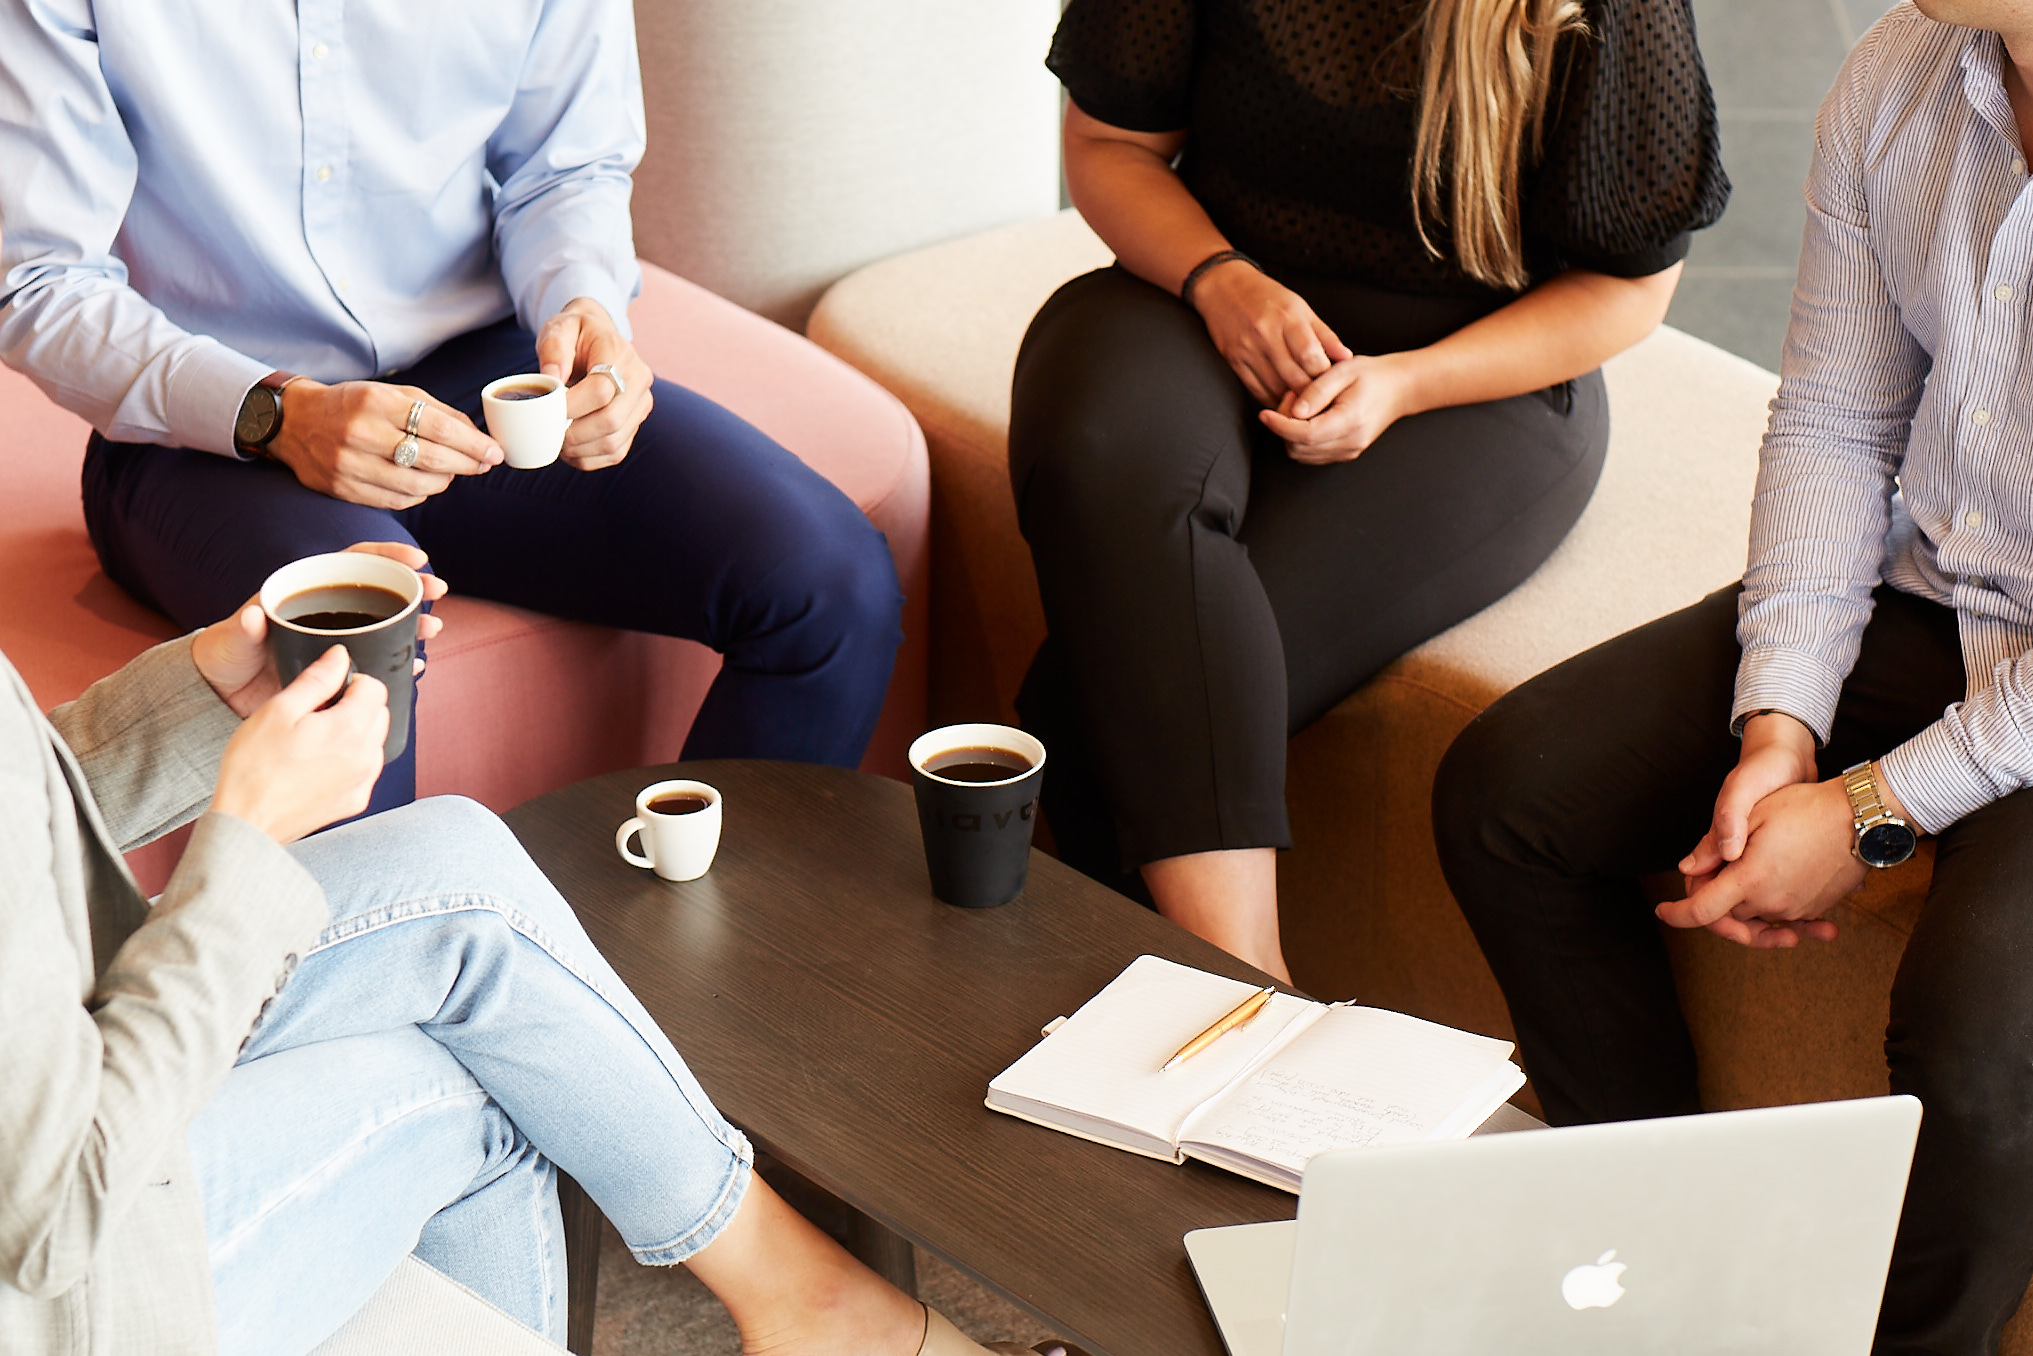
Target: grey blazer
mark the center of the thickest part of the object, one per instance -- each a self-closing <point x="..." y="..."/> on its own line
<point x="119" y="1020"/>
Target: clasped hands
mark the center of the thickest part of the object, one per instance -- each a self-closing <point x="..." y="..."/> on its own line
<point x="1777" y="855"/>
<point x="340" y="440"/>
<point x="1327" y="402"/>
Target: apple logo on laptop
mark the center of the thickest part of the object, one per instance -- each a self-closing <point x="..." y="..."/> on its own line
<point x="1593" y="1285"/>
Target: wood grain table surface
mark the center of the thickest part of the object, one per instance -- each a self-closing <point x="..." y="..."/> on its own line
<point x="850" y="1023"/>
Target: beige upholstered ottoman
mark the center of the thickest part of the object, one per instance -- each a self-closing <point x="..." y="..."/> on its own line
<point x="422" y="1312"/>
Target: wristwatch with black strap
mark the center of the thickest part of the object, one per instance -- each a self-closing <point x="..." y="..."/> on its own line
<point x="1882" y="838"/>
<point x="260" y="417"/>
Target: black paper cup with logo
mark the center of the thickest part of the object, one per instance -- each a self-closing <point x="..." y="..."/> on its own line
<point x="367" y="603"/>
<point x="977" y="788"/>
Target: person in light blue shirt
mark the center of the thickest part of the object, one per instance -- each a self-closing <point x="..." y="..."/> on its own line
<point x="273" y="252"/>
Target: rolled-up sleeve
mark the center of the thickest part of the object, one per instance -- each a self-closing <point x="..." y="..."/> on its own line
<point x="68" y="318"/>
<point x="564" y="157"/>
<point x="1852" y="377"/>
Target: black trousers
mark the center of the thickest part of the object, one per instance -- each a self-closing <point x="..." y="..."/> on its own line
<point x="1552" y="804"/>
<point x="1207" y="596"/>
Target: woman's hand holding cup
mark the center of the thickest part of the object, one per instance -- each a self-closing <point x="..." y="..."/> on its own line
<point x="296" y="765"/>
<point x="233" y="655"/>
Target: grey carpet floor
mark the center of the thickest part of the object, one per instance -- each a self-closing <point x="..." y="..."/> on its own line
<point x="665" y="1311"/>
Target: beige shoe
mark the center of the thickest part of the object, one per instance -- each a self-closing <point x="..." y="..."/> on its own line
<point x="943" y="1339"/>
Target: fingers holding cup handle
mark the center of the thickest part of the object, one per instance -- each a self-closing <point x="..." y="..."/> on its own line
<point x="621" y="837"/>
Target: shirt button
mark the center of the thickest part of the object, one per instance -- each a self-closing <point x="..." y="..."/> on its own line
<point x="1975" y="581"/>
<point x="1980" y="417"/>
<point x="321" y="51"/>
<point x="2003" y="293"/>
<point x="1972" y="519"/>
<point x="325" y="172"/>
<point x="2018" y="165"/>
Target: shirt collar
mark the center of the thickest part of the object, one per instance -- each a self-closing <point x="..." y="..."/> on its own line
<point x="1983" y="81"/>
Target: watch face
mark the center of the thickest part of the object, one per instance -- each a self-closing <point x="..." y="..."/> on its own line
<point x="258" y="417"/>
<point x="1886" y="844"/>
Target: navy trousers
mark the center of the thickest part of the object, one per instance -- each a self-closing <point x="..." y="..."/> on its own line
<point x="707" y="530"/>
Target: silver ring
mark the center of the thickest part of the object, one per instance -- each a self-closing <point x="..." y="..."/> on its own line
<point x="607" y="370"/>
<point x="405" y="452"/>
<point x="416" y="417"/>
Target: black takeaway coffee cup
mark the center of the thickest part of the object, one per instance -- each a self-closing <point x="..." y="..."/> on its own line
<point x="977" y="789"/>
<point x="368" y="604"/>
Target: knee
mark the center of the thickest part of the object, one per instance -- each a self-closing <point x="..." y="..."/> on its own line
<point x="1120" y="403"/>
<point x="843" y="589"/>
<point x="1971" y="1073"/>
<point x="455" y="823"/>
<point x="477" y="855"/>
<point x="1478" y="792"/>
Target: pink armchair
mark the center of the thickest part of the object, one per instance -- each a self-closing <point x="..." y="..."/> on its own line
<point x="516" y="703"/>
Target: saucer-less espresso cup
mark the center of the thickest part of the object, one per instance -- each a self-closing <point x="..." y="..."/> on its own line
<point x="367" y="603"/>
<point x="977" y="789"/>
<point x="680" y="826"/>
<point x="526" y="415"/>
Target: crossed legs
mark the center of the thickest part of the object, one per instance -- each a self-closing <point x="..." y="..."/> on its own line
<point x="452" y="1035"/>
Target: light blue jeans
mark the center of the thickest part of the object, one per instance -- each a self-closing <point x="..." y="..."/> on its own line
<point x="450" y="1037"/>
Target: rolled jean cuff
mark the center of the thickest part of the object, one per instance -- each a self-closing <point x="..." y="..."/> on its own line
<point x="733" y="1190"/>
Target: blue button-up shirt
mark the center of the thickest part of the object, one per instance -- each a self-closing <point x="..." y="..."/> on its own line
<point x="1901" y="444"/>
<point x="193" y="193"/>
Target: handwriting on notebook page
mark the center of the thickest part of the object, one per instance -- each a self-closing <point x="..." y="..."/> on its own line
<point x="1285" y="1118"/>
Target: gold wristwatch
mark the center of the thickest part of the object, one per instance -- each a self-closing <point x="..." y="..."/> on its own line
<point x="1882" y="838"/>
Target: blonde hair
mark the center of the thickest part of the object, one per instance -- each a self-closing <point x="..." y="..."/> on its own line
<point x="1487" y="73"/>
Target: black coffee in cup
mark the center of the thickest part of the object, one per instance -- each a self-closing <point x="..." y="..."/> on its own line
<point x="366" y="603"/>
<point x="985" y="764"/>
<point x="342" y="607"/>
<point x="534" y="390"/>
<point x="977" y="793"/>
<point x="679" y="803"/>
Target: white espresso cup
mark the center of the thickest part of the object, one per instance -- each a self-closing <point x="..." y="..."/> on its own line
<point x="526" y="415"/>
<point x="680" y="839"/>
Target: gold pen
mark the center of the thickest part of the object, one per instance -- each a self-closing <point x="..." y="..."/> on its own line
<point x="1242" y="1014"/>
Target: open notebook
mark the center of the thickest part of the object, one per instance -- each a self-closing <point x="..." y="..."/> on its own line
<point x="1300" y="1079"/>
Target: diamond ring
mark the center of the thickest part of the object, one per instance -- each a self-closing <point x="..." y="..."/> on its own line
<point x="607" y="370"/>
<point x="416" y="417"/>
<point x="405" y="452"/>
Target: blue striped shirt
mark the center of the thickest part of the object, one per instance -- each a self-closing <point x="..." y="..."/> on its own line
<point x="1901" y="442"/>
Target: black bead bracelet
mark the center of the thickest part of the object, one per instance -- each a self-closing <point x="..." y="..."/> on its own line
<point x="1211" y="262"/>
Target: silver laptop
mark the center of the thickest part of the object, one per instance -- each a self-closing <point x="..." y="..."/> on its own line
<point x="1742" y="1232"/>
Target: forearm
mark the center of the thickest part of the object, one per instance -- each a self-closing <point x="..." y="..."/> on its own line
<point x="103" y="352"/>
<point x="1129" y="194"/>
<point x="570" y="242"/>
<point x="1562" y="329"/>
<point x="1981" y="750"/>
<point x="149" y="738"/>
<point x="564" y="155"/>
<point x="68" y="318"/>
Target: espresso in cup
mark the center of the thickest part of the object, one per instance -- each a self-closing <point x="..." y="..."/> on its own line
<point x="526" y="415"/>
<point x="679" y="824"/>
<point x="977" y="792"/>
<point x="679" y="803"/>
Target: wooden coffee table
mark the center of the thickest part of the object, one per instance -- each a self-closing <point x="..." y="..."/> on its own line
<point x="850" y="1023"/>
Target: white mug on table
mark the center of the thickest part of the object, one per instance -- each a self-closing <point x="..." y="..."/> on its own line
<point x="680" y="826"/>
